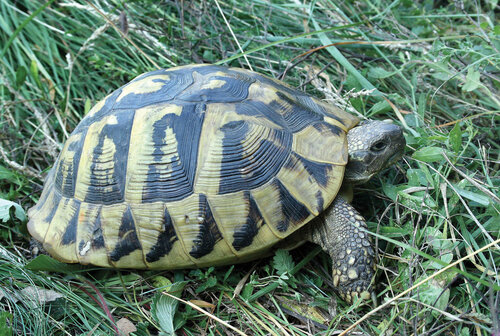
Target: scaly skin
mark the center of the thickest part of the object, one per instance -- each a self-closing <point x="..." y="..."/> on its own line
<point x="341" y="232"/>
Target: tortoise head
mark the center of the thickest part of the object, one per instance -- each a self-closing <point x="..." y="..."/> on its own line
<point x="372" y="145"/>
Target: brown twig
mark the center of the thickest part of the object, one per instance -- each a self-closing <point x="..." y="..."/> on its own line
<point x="16" y="166"/>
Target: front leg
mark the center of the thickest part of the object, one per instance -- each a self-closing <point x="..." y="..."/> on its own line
<point x="340" y="233"/>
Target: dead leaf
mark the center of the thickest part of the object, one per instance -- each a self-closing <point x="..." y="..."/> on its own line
<point x="125" y="326"/>
<point x="303" y="310"/>
<point x="203" y="304"/>
<point x="40" y="295"/>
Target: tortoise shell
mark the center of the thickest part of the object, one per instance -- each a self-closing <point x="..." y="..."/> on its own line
<point x="191" y="166"/>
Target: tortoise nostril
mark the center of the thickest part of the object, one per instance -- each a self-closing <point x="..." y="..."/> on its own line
<point x="379" y="146"/>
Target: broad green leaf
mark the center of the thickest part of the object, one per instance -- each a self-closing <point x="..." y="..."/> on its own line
<point x="429" y="154"/>
<point x="283" y="262"/>
<point x="471" y="80"/>
<point x="422" y="104"/>
<point x="392" y="231"/>
<point x="164" y="307"/>
<point x="5" y="330"/>
<point x="455" y="138"/>
<point x="390" y="191"/>
<point x="160" y="281"/>
<point x="416" y="177"/>
<point x="247" y="291"/>
<point x="379" y="107"/>
<point x="210" y="282"/>
<point x="432" y="293"/>
<point x="46" y="263"/>
<point x="7" y="174"/>
<point x="378" y="72"/>
<point x="163" y="310"/>
<point x="20" y="76"/>
<point x="88" y="106"/>
<point x="34" y="73"/>
<point x="5" y="206"/>
<point x="481" y="199"/>
<point x="465" y="332"/>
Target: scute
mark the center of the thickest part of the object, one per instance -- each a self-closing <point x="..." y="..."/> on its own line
<point x="191" y="166"/>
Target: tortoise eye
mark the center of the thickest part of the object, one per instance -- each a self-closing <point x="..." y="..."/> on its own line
<point x="379" y="146"/>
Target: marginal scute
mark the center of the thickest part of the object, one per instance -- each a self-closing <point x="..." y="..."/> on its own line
<point x="165" y="240"/>
<point x="198" y="232"/>
<point x="280" y="209"/>
<point x="244" y="234"/>
<point x="208" y="234"/>
<point x="91" y="242"/>
<point x="158" y="235"/>
<point x="121" y="237"/>
<point x="69" y="236"/>
<point x="128" y="241"/>
<point x="60" y="236"/>
<point x="311" y="183"/>
<point x="44" y="210"/>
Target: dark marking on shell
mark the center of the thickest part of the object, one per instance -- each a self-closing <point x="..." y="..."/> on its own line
<point x="55" y="204"/>
<point x="293" y="210"/>
<point x="69" y="236"/>
<point x="97" y="237"/>
<point x="66" y="185"/>
<point x="328" y="128"/>
<point x="261" y="110"/>
<point x="319" y="171"/>
<point x="81" y="245"/>
<point x="176" y="182"/>
<point x="297" y="115"/>
<point x="244" y="170"/>
<point x="102" y="179"/>
<point x="243" y="235"/>
<point x="320" y="201"/>
<point x="129" y="241"/>
<point x="208" y="234"/>
<point x="165" y="242"/>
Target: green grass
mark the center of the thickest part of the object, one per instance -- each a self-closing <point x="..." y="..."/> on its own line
<point x="436" y="70"/>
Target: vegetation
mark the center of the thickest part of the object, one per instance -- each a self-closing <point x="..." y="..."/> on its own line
<point x="431" y="66"/>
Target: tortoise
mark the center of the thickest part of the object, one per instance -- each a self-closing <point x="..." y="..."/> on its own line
<point x="204" y="165"/>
